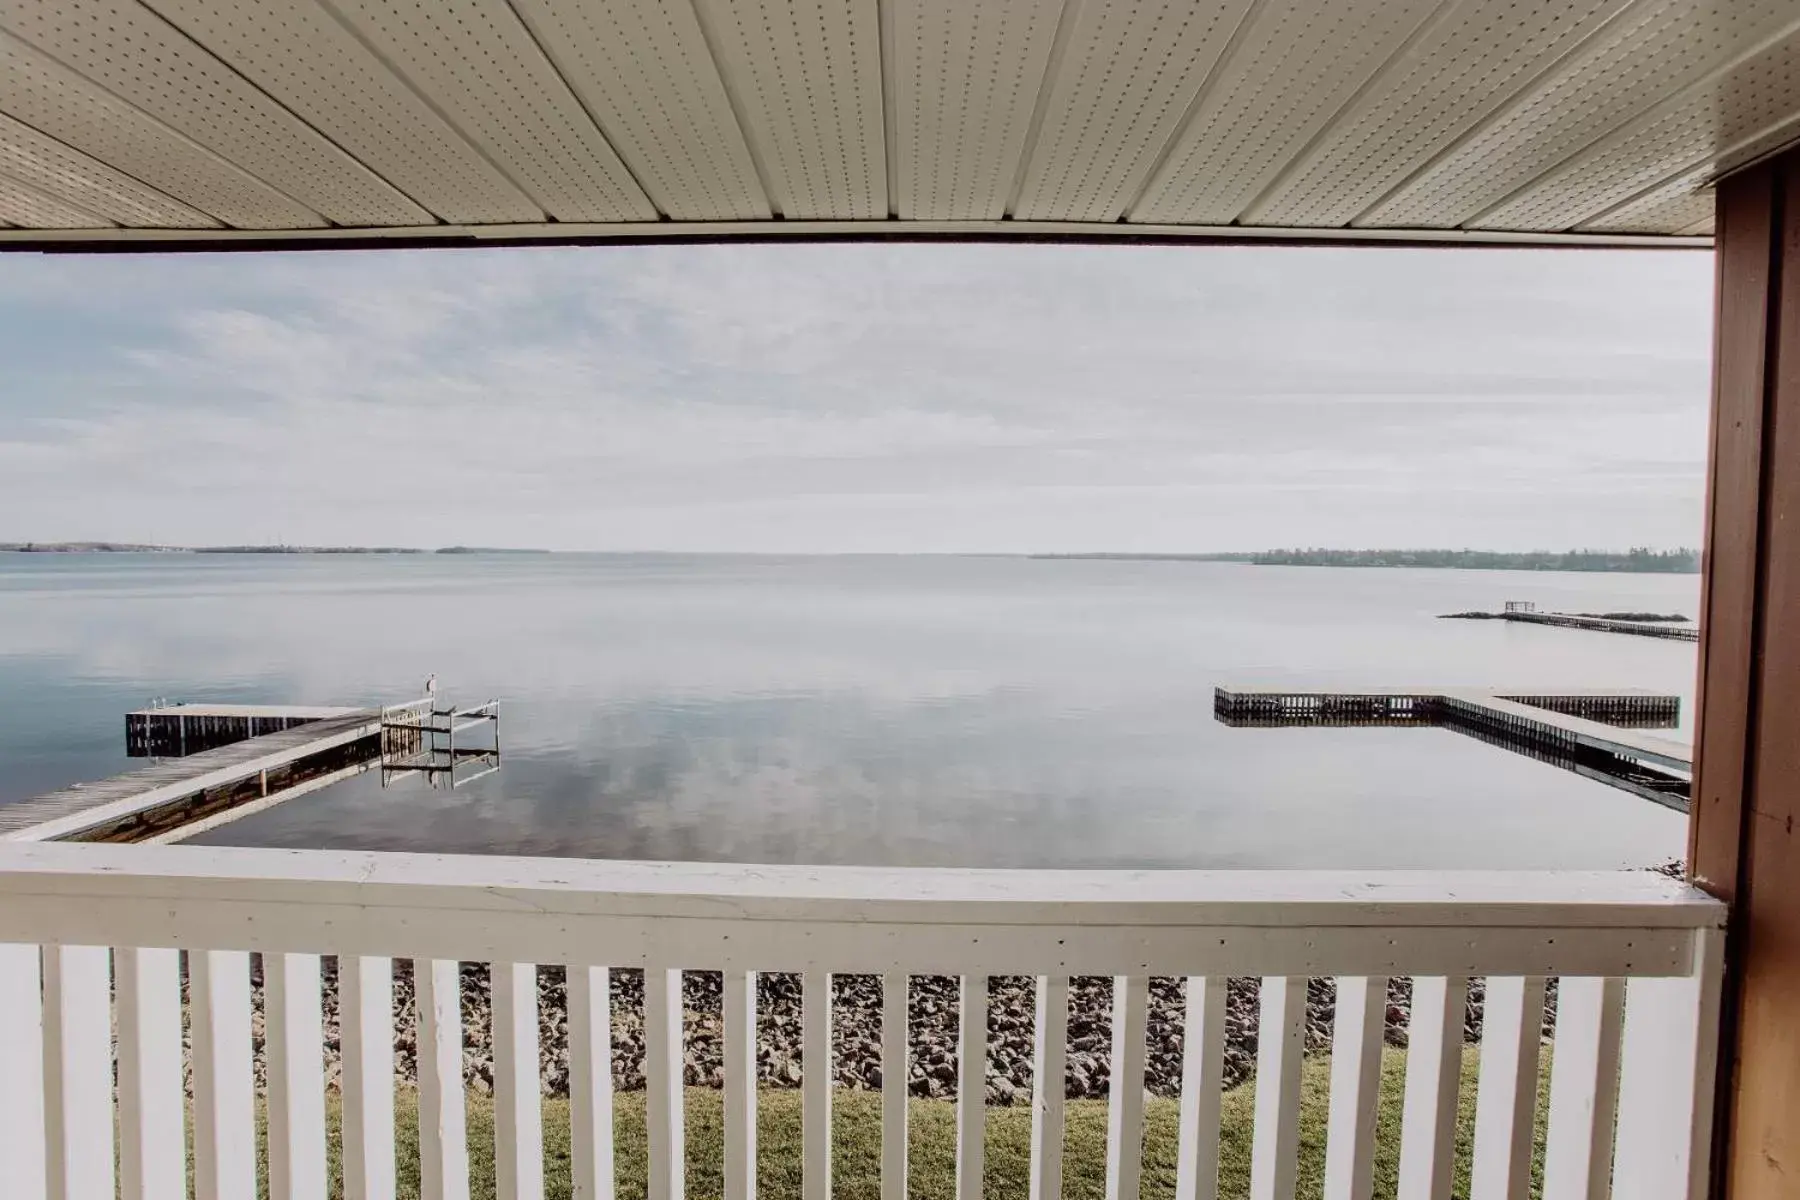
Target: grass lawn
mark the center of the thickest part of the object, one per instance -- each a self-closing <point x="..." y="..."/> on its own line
<point x="857" y="1143"/>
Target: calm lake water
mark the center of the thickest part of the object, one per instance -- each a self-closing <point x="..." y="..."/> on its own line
<point x="890" y="710"/>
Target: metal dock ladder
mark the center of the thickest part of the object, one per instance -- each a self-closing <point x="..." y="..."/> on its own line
<point x="420" y="738"/>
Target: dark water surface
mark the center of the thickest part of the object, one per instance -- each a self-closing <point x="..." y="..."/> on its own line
<point x="922" y="711"/>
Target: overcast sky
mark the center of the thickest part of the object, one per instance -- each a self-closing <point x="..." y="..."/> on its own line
<point x="843" y="398"/>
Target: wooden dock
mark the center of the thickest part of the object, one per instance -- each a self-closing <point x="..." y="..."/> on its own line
<point x="1426" y="706"/>
<point x="178" y="730"/>
<point x="1655" y="629"/>
<point x="144" y="804"/>
<point x="1595" y="734"/>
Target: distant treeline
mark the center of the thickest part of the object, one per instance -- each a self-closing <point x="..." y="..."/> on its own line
<point x="137" y="548"/>
<point x="1640" y="560"/>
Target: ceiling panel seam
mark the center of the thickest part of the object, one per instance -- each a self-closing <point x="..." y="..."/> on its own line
<point x="330" y="9"/>
<point x="1302" y="158"/>
<point x="77" y="152"/>
<point x="1059" y="48"/>
<point x="890" y="131"/>
<point x="1644" y="118"/>
<point x="100" y="222"/>
<point x="759" y="153"/>
<point x="343" y="151"/>
<point x="1233" y="44"/>
<point x="531" y="31"/>
<point x="167" y="130"/>
<point x="1558" y="65"/>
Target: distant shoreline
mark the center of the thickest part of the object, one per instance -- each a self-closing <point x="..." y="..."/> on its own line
<point x="1681" y="561"/>
<point x="132" y="548"/>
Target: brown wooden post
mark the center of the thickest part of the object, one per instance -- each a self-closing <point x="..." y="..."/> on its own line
<point x="1743" y="844"/>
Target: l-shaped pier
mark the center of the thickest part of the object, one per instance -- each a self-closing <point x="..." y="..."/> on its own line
<point x="1595" y="734"/>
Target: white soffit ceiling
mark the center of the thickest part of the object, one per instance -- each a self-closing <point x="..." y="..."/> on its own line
<point x="171" y="123"/>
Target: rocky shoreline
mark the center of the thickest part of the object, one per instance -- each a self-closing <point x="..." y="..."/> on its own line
<point x="933" y="1012"/>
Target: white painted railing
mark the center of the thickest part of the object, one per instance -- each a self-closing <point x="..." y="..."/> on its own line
<point x="1630" y="1094"/>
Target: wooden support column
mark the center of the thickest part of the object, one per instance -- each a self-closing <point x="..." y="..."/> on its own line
<point x="1743" y="843"/>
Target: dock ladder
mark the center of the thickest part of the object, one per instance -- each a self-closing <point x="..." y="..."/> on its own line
<point x="421" y="738"/>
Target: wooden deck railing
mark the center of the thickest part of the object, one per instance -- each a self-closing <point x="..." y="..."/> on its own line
<point x="92" y="935"/>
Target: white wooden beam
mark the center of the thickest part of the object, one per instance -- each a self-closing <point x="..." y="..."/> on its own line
<point x="152" y="1143"/>
<point x="1049" y="1081"/>
<point x="589" y="992"/>
<point x="366" y="1041"/>
<point x="1358" y="1026"/>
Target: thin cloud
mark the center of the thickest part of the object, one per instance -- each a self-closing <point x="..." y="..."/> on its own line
<point x="825" y="398"/>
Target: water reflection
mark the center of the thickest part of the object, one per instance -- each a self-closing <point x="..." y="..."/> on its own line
<point x="944" y="711"/>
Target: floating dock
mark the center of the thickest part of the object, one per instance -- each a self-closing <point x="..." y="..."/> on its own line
<point x="1594" y="734"/>
<point x="1525" y="612"/>
<point x="1273" y="706"/>
<point x="224" y="762"/>
<point x="178" y="730"/>
<point x="1656" y="629"/>
<point x="189" y="793"/>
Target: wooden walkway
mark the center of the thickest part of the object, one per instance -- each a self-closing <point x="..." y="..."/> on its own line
<point x="1655" y="629"/>
<point x="196" y="786"/>
<point x="1595" y="734"/>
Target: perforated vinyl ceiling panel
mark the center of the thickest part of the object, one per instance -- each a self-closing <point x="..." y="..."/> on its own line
<point x="805" y="75"/>
<point x="306" y="59"/>
<point x="479" y="66"/>
<point x="1651" y="49"/>
<point x="55" y="100"/>
<point x="142" y="59"/>
<point x="965" y="80"/>
<point x="1118" y="92"/>
<point x="1664" y="208"/>
<point x="1727" y="118"/>
<point x="1465" y="63"/>
<point x="643" y="69"/>
<point x="64" y="173"/>
<point x="1295" y="66"/>
<point x="24" y="205"/>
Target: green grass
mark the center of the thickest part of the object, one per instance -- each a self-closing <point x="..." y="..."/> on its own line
<point x="857" y="1143"/>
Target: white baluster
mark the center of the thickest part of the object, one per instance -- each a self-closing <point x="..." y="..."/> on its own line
<point x="366" y="1037"/>
<point x="1669" y="1052"/>
<point x="1433" y="1074"/>
<point x="1049" y="1084"/>
<point x="224" y="1088"/>
<point x="740" y="1085"/>
<point x="663" y="1095"/>
<point x="443" y="1121"/>
<point x="22" y="1070"/>
<point x="518" y="1097"/>
<point x="1356" y="1036"/>
<point x="971" y="1087"/>
<point x="896" y="1069"/>
<point x="815" y="1101"/>
<point x="590" y="1082"/>
<point x="1280" y="1041"/>
<point x="1125" y="1094"/>
<point x="294" y="1052"/>
<point x="78" y="1078"/>
<point x="1584" y="1088"/>
<point x="152" y="1160"/>
<point x="1202" y="1080"/>
<point x="1506" y="1099"/>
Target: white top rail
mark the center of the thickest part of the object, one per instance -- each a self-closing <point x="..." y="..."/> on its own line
<point x="682" y="915"/>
